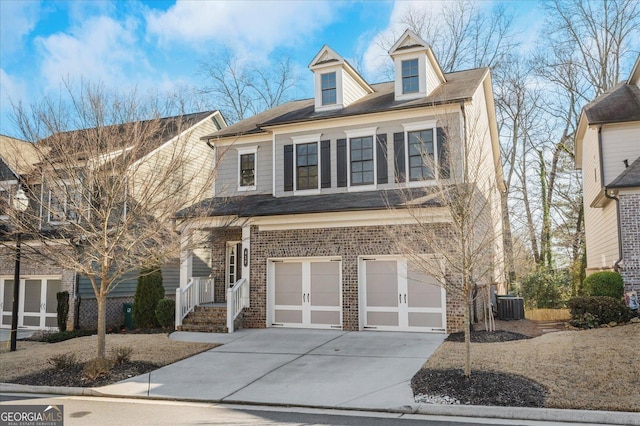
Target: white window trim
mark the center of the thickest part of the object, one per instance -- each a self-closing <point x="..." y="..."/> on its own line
<point x="243" y="151"/>
<point x="297" y="140"/>
<point x="422" y="78"/>
<point x="339" y="89"/>
<point x="359" y="133"/>
<point x="412" y="127"/>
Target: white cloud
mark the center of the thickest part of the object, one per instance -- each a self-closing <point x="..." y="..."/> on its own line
<point x="99" y="49"/>
<point x="247" y="27"/>
<point x="18" y="19"/>
<point x="13" y="90"/>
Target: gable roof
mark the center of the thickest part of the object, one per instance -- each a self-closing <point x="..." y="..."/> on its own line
<point x="18" y="155"/>
<point x="408" y="40"/>
<point x="629" y="178"/>
<point x="167" y="128"/>
<point x="618" y="105"/>
<point x="459" y="86"/>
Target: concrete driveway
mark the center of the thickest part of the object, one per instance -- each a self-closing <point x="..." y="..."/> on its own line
<point x="289" y="366"/>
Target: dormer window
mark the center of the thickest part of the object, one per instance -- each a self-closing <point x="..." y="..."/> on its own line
<point x="410" y="82"/>
<point x="328" y="82"/>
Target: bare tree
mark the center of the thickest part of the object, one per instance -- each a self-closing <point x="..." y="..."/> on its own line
<point x="462" y="236"/>
<point x="244" y="89"/>
<point x="109" y="176"/>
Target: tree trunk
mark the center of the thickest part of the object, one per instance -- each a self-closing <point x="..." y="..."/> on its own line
<point x="507" y="240"/>
<point x="102" y="325"/>
<point x="467" y="339"/>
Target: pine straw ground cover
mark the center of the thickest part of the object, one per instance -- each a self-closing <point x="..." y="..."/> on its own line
<point x="30" y="364"/>
<point x="580" y="369"/>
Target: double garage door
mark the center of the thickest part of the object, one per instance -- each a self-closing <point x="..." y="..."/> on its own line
<point x="37" y="302"/>
<point x="307" y="293"/>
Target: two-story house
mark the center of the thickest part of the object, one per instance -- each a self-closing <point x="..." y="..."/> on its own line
<point x="607" y="151"/>
<point x="57" y="204"/>
<point x="301" y="216"/>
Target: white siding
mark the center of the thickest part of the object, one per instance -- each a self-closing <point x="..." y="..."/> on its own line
<point x="432" y="81"/>
<point x="352" y="91"/>
<point x="619" y="142"/>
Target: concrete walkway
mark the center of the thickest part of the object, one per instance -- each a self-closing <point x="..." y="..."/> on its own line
<point x="5" y="334"/>
<point x="288" y="366"/>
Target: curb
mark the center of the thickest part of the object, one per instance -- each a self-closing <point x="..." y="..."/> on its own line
<point x="479" y="411"/>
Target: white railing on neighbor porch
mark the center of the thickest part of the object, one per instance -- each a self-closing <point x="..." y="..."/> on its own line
<point x="197" y="291"/>
<point x="237" y="299"/>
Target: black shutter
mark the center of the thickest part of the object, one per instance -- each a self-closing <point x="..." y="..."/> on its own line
<point x="325" y="159"/>
<point x="381" y="153"/>
<point x="342" y="162"/>
<point x="288" y="167"/>
<point x="443" y="154"/>
<point x="398" y="152"/>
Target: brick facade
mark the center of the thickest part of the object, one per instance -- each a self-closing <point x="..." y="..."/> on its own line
<point x="347" y="243"/>
<point x="34" y="265"/>
<point x="630" y="230"/>
<point x="219" y="239"/>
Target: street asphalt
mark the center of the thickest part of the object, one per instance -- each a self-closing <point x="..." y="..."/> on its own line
<point x="313" y="368"/>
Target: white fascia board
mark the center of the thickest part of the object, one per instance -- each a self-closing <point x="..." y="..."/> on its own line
<point x="349" y="219"/>
<point x="173" y="139"/>
<point x="240" y="139"/>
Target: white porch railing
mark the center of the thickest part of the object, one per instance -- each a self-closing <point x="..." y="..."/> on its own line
<point x="237" y="300"/>
<point x="196" y="292"/>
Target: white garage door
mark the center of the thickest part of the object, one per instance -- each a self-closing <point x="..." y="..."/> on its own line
<point x="399" y="298"/>
<point x="37" y="302"/>
<point x="305" y="293"/>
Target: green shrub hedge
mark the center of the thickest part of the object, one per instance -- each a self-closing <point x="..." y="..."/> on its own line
<point x="148" y="292"/>
<point x="592" y="311"/>
<point x="166" y="312"/>
<point x="605" y="283"/>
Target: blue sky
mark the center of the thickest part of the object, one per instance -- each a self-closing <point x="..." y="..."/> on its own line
<point x="155" y="45"/>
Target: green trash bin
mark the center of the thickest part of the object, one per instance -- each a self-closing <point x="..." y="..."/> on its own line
<point x="127" y="308"/>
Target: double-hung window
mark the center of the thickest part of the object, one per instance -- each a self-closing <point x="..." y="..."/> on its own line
<point x="328" y="87"/>
<point x="362" y="160"/>
<point x="421" y="154"/>
<point x="307" y="166"/>
<point x="410" y="83"/>
<point x="247" y="169"/>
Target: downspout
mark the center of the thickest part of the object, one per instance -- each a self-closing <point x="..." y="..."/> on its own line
<point x="616" y="265"/>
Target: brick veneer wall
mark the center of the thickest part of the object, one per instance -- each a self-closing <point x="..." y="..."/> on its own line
<point x="348" y="243"/>
<point x="630" y="227"/>
<point x="31" y="264"/>
<point x="219" y="238"/>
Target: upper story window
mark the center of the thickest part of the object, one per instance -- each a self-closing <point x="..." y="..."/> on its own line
<point x="361" y="159"/>
<point x="247" y="169"/>
<point x="328" y="87"/>
<point x="410" y="82"/>
<point x="60" y="204"/>
<point x="421" y="154"/>
<point x="307" y="166"/>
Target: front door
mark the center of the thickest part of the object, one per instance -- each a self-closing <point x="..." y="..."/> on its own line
<point x="234" y="262"/>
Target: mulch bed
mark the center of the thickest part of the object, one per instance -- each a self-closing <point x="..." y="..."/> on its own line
<point x="481" y="388"/>
<point x="72" y="375"/>
<point x="482" y="336"/>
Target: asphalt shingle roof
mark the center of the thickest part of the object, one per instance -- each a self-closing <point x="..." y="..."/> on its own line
<point x="620" y="104"/>
<point x="459" y="86"/>
<point x="629" y="178"/>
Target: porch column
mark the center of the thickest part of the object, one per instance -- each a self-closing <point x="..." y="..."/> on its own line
<point x="245" y="256"/>
<point x="186" y="259"/>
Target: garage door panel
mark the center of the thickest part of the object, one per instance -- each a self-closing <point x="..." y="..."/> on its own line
<point x="325" y="299"/>
<point x="325" y="284"/>
<point x="325" y="317"/>
<point x="388" y="319"/>
<point x="288" y="284"/>
<point x="420" y="319"/>
<point x="32" y="297"/>
<point x="286" y="316"/>
<point x="53" y="287"/>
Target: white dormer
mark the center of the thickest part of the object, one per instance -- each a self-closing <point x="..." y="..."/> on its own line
<point x="416" y="69"/>
<point x="336" y="83"/>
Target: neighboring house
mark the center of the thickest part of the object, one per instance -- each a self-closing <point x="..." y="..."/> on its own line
<point x="608" y="153"/>
<point x="299" y="219"/>
<point x="42" y="280"/>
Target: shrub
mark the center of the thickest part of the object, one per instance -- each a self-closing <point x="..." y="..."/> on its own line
<point x="121" y="354"/>
<point x="166" y="312"/>
<point x="592" y="311"/>
<point x="62" y="309"/>
<point x="62" y="361"/>
<point x="61" y="336"/>
<point x="606" y="283"/>
<point x="96" y="368"/>
<point x="546" y="289"/>
<point x="148" y="292"/>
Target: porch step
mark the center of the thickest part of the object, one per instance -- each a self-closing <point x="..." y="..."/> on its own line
<point x="210" y="319"/>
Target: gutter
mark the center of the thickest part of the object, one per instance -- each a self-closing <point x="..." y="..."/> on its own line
<point x="616" y="265"/>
